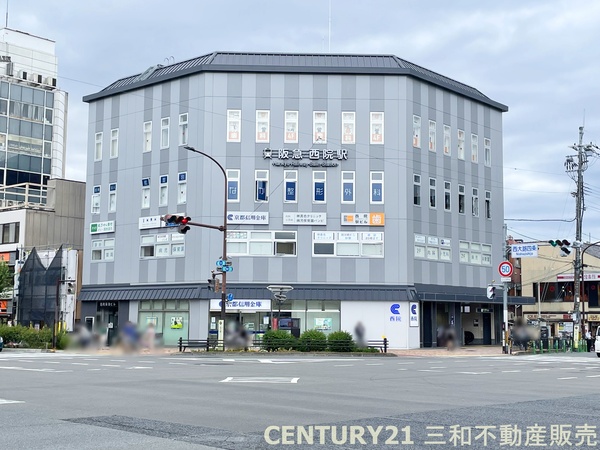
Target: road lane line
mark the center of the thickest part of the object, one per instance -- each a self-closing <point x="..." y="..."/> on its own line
<point x="511" y="371"/>
<point x="80" y="364"/>
<point x="8" y="402"/>
<point x="566" y="378"/>
<point x="111" y="365"/>
<point x="179" y="364"/>
<point x="592" y="376"/>
<point x="538" y="370"/>
<point x="343" y="365"/>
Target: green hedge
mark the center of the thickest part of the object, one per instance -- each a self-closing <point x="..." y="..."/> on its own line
<point x="341" y="341"/>
<point x="274" y="340"/>
<point x="312" y="341"/>
<point x="32" y="338"/>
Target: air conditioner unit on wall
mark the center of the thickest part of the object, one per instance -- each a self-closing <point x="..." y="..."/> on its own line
<point x="51" y="81"/>
<point x="38" y="78"/>
<point x="23" y="74"/>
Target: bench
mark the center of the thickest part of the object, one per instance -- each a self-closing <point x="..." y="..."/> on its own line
<point x="382" y="344"/>
<point x="205" y="344"/>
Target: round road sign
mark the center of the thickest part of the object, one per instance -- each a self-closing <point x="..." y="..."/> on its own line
<point x="505" y="269"/>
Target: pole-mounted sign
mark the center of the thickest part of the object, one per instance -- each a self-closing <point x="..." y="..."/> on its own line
<point x="505" y="269"/>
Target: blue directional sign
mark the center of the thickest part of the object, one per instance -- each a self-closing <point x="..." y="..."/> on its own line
<point x="229" y="297"/>
<point x="227" y="268"/>
<point x="220" y="263"/>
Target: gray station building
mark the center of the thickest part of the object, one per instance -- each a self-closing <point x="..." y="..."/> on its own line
<point x="369" y="184"/>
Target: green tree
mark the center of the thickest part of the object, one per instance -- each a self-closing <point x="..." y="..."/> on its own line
<point x="6" y="279"/>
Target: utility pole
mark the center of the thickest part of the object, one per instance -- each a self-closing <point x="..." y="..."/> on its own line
<point x="575" y="171"/>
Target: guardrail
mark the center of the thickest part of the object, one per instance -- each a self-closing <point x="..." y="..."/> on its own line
<point x="551" y="345"/>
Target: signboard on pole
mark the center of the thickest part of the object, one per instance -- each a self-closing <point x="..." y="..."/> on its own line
<point x="524" y="250"/>
<point x="505" y="269"/>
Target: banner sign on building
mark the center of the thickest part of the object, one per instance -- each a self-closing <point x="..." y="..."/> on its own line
<point x="248" y="218"/>
<point x="413" y="313"/>
<point x="241" y="305"/>
<point x="368" y="219"/>
<point x="146" y="223"/>
<point x="305" y="218"/>
<point x="102" y="227"/>
<point x="571" y="277"/>
<point x="524" y="250"/>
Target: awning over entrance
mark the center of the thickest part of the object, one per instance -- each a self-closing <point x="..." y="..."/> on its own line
<point x="249" y="292"/>
<point x="458" y="294"/>
<point x="127" y="292"/>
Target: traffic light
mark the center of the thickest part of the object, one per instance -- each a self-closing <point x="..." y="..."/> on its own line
<point x="491" y="292"/>
<point x="211" y="284"/>
<point x="70" y="288"/>
<point x="564" y="246"/>
<point x="181" y="221"/>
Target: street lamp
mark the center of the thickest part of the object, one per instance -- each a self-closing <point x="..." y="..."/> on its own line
<point x="222" y="228"/>
<point x="279" y="293"/>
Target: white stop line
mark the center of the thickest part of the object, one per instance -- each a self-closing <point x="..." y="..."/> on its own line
<point x="259" y="380"/>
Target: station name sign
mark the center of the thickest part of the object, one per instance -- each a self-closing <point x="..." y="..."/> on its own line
<point x="313" y="157"/>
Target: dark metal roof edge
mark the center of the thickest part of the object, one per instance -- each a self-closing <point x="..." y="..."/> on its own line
<point x="403" y="69"/>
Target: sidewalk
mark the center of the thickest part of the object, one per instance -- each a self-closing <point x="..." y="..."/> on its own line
<point x="471" y="350"/>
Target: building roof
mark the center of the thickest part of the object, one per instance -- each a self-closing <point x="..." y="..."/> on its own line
<point x="291" y="63"/>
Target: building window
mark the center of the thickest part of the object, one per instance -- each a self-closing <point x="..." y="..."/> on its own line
<point x="261" y="192"/>
<point x="319" y="180"/>
<point x="432" y="192"/>
<point x="162" y="245"/>
<point x="463" y="251"/>
<point x="376" y="187"/>
<point x="103" y="250"/>
<point x="163" y="194"/>
<point x="447" y="196"/>
<point x="417" y="190"/>
<point x="488" y="205"/>
<point x="183" y="129"/>
<point x="234" y="125"/>
<point x="475" y="253"/>
<point x="487" y="152"/>
<point x="376" y="128"/>
<point x="347" y="244"/>
<point x="233" y="185"/>
<point x="319" y="127"/>
<point x="474" y="149"/>
<point x="112" y="197"/>
<point x="262" y="243"/>
<point x="98" y="147"/>
<point x="416" y="132"/>
<point x="348" y="187"/>
<point x="348" y="127"/>
<point x="475" y="203"/>
<point x="290" y="178"/>
<point x="461" y="144"/>
<point x="145" y="193"/>
<point x="10" y="233"/>
<point x="432" y="131"/>
<point x="461" y="198"/>
<point x="96" y="200"/>
<point x="262" y="126"/>
<point x="114" y="143"/>
<point x="147" y="136"/>
<point x="164" y="132"/>
<point x="291" y="127"/>
<point x="182" y="188"/>
<point x="447" y="141"/>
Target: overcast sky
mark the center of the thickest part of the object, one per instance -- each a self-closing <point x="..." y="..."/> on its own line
<point x="541" y="59"/>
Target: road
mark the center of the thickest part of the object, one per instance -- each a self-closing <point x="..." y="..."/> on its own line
<point x="75" y="401"/>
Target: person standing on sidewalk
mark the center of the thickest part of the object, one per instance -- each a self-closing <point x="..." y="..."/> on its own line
<point x="590" y="341"/>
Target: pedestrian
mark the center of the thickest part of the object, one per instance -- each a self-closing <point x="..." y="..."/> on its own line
<point x="359" y="331"/>
<point x="150" y="337"/>
<point x="450" y="337"/>
<point x="590" y="341"/>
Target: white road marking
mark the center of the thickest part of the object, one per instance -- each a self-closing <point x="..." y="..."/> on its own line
<point x="343" y="365"/>
<point x="474" y="373"/>
<point x="140" y="367"/>
<point x="277" y="380"/>
<point x="117" y="360"/>
<point x="428" y="370"/>
<point x="80" y="364"/>
<point x="567" y="368"/>
<point x="406" y="363"/>
<point x="90" y="359"/>
<point x="51" y="362"/>
<point x="592" y="376"/>
<point x="25" y="360"/>
<point x="93" y="369"/>
<point x="7" y="402"/>
<point x="566" y="378"/>
<point x="538" y="370"/>
<point x="35" y="370"/>
<point x="402" y="369"/>
<point x="438" y="367"/>
<point x="147" y="362"/>
<point x="111" y="365"/>
<point x="374" y="364"/>
<point x="180" y="364"/>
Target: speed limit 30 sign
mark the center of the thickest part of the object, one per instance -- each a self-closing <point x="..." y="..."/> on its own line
<point x="505" y="269"/>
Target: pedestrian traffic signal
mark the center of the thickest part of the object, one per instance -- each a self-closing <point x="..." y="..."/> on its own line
<point x="564" y="246"/>
<point x="70" y="288"/>
<point x="491" y="292"/>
